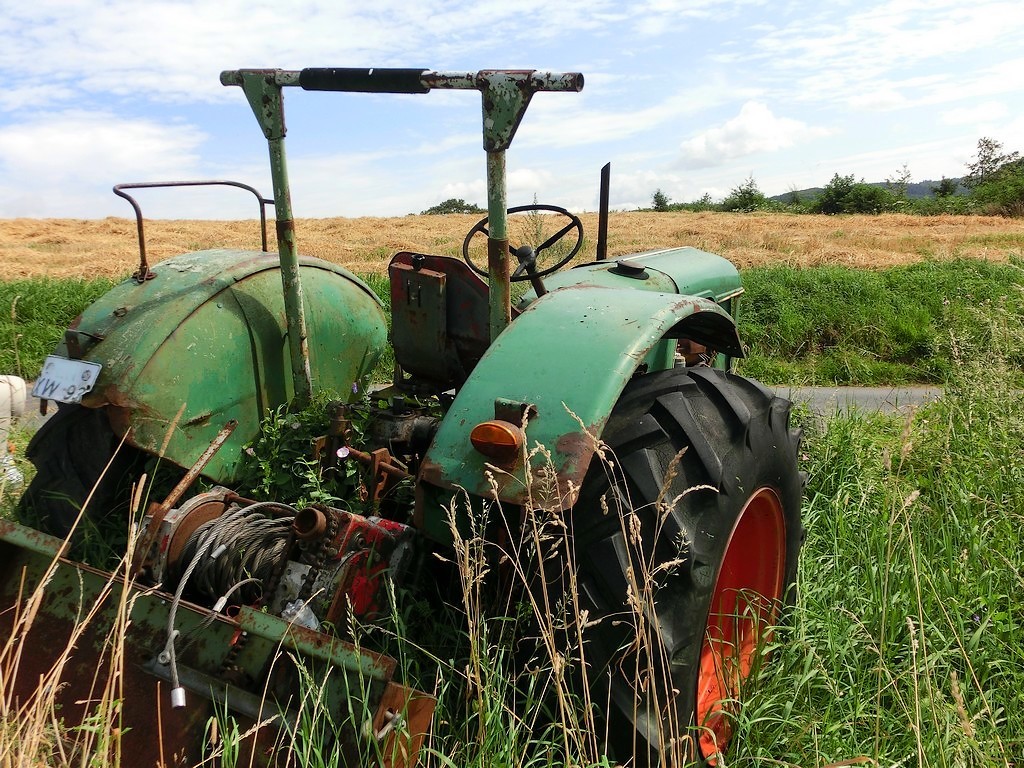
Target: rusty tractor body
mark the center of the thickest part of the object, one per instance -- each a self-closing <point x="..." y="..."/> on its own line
<point x="492" y="409"/>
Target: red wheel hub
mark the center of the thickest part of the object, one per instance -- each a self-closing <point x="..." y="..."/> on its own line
<point x="743" y="604"/>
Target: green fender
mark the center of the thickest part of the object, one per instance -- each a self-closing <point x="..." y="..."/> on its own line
<point x="568" y="357"/>
<point x="205" y="342"/>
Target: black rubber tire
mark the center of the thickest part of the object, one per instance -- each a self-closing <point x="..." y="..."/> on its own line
<point x="737" y="440"/>
<point x="70" y="452"/>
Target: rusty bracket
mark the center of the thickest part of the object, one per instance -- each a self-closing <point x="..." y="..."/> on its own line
<point x="384" y="474"/>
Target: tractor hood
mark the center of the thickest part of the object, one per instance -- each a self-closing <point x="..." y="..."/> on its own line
<point x="687" y="271"/>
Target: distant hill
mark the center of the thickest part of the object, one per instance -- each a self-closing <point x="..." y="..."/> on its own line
<point x="915" y="191"/>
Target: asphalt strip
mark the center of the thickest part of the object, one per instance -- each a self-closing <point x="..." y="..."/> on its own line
<point x="828" y="401"/>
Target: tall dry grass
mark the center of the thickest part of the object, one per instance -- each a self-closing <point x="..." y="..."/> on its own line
<point x="32" y="728"/>
<point x="107" y="247"/>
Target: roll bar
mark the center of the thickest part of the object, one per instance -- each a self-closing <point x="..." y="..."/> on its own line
<point x="505" y="93"/>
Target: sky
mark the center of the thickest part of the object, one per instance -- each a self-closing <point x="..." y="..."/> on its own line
<point x="692" y="97"/>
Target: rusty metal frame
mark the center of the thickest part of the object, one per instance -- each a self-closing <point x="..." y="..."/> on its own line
<point x="144" y="273"/>
<point x="505" y="97"/>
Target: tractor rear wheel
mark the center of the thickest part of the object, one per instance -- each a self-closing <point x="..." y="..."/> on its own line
<point x="71" y="453"/>
<point x="686" y="545"/>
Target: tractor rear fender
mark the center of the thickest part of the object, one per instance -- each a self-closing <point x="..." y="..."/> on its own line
<point x="564" y="362"/>
<point x="205" y="342"/>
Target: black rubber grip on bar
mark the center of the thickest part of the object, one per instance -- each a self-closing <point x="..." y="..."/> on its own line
<point x="363" y="80"/>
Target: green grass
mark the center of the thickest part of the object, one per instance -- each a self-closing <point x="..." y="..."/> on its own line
<point x="34" y="314"/>
<point x="824" y="325"/>
<point x="904" y="646"/>
<point x="838" y="325"/>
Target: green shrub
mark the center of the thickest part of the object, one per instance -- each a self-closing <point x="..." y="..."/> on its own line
<point x="1002" y="195"/>
<point x="844" y="195"/>
<point x="660" y="201"/>
<point x="745" y="197"/>
<point x="452" y="205"/>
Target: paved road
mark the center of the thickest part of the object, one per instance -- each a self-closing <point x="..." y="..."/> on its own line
<point x="827" y="401"/>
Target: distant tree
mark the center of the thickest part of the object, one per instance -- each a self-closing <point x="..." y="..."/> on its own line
<point x="897" y="184"/>
<point x="793" y="196"/>
<point x="453" y="205"/>
<point x="703" y="203"/>
<point x="832" y="197"/>
<point x="945" y="187"/>
<point x="660" y="201"/>
<point x="988" y="161"/>
<point x="996" y="179"/>
<point x="745" y="197"/>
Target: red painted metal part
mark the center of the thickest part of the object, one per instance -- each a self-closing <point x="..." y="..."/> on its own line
<point x="364" y="546"/>
<point x="747" y="591"/>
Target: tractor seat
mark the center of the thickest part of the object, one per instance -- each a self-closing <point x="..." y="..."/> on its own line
<point x="439" y="318"/>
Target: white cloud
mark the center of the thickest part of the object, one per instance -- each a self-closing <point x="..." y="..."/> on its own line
<point x="834" y="54"/>
<point x="975" y="115"/>
<point x="881" y="73"/>
<point x="174" y="50"/>
<point x="880" y="100"/>
<point x="69" y="160"/>
<point x="755" y="129"/>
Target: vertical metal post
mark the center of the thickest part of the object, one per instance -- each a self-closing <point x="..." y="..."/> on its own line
<point x="497" y="244"/>
<point x="294" y="305"/>
<point x="602" y="219"/>
<point x="264" y="95"/>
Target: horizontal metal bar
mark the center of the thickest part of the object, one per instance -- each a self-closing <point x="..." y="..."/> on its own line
<point x="317" y="645"/>
<point x="383" y="80"/>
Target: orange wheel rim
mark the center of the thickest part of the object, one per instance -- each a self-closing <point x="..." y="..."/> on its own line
<point x="747" y="590"/>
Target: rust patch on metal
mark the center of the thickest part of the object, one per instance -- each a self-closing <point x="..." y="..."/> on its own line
<point x="401" y="723"/>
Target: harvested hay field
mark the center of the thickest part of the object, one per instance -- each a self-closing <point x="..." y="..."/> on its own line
<point x="107" y="247"/>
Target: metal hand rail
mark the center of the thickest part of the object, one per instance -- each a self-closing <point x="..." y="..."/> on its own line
<point x="145" y="273"/>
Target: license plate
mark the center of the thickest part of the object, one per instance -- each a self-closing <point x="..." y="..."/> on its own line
<point x="65" y="380"/>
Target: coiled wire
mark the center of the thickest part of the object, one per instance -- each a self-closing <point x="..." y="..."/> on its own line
<point x="242" y="544"/>
<point x="240" y="548"/>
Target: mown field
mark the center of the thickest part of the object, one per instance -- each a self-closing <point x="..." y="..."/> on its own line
<point x="903" y="644"/>
<point x="107" y="247"/>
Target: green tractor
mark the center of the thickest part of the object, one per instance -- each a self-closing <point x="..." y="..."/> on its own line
<point x="602" y="396"/>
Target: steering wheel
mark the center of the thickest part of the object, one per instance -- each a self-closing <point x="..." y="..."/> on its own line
<point x="526" y="253"/>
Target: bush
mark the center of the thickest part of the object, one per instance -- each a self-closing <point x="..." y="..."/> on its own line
<point x="452" y="205"/>
<point x="1003" y="193"/>
<point x="745" y="197"/>
<point x="956" y="205"/>
<point x="660" y="201"/>
<point x="996" y="179"/>
<point x="844" y="195"/>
